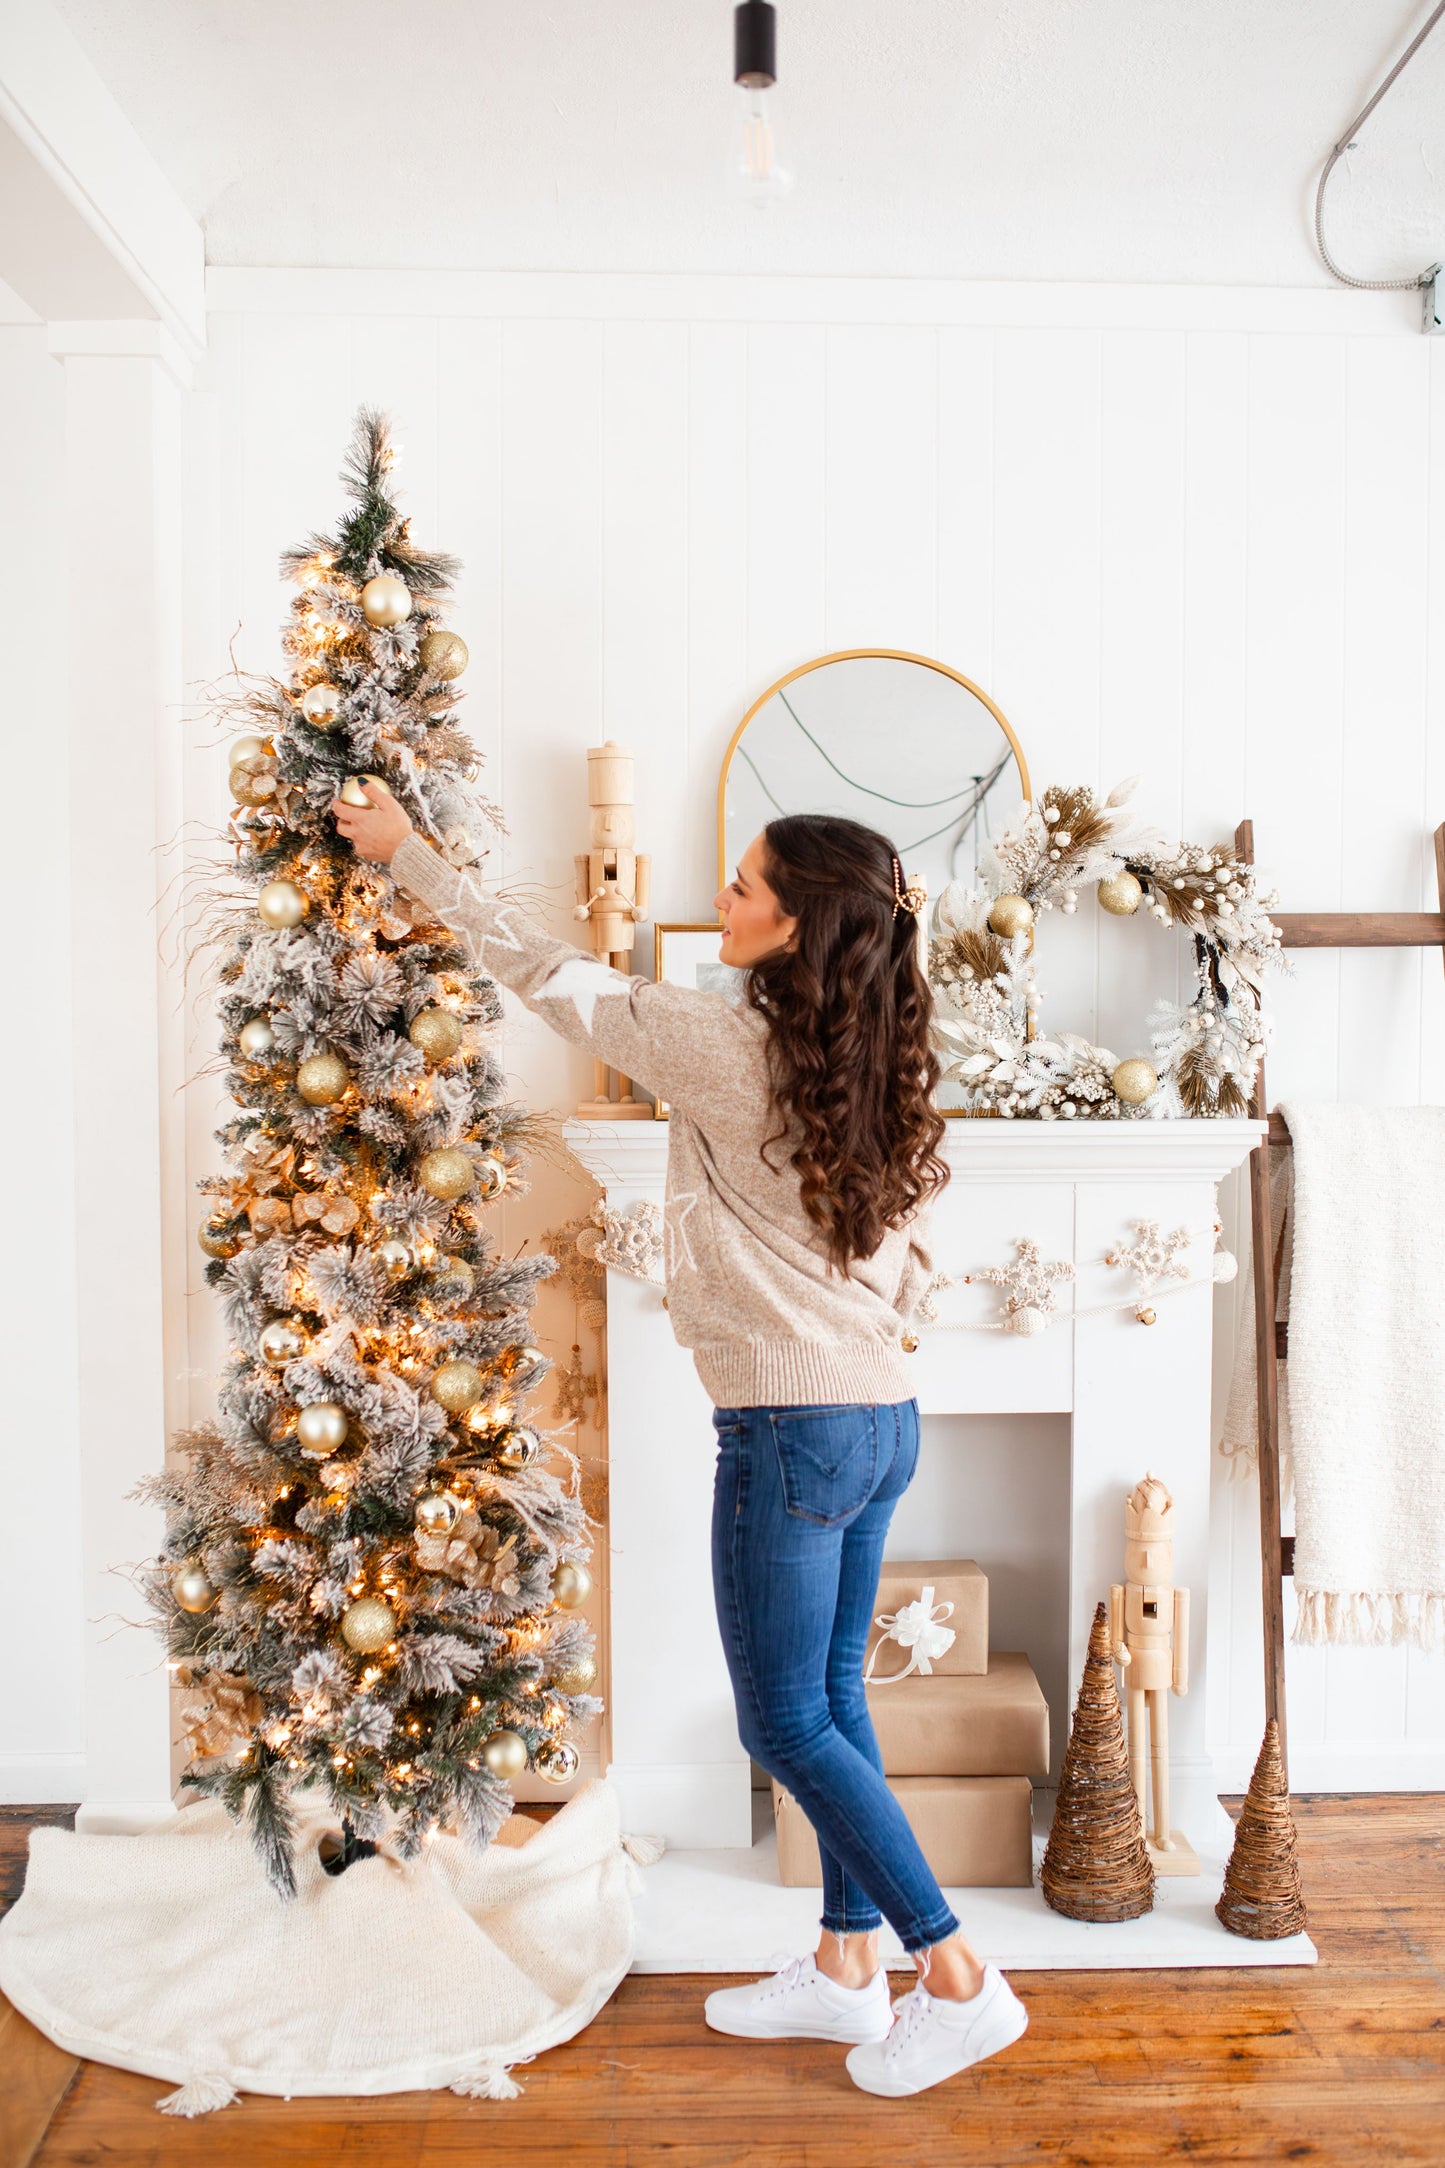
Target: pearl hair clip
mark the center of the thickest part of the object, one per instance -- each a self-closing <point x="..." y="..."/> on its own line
<point x="910" y="899"/>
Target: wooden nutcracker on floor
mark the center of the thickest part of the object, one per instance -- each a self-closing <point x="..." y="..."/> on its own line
<point x="1149" y="1633"/>
<point x="613" y="893"/>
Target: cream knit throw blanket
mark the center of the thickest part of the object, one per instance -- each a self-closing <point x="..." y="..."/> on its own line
<point x="169" y="1953"/>
<point x="1366" y="1372"/>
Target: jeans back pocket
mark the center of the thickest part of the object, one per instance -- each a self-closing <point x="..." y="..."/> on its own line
<point x="827" y="1460"/>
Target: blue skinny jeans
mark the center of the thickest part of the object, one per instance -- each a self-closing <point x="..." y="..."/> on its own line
<point x="801" y="1510"/>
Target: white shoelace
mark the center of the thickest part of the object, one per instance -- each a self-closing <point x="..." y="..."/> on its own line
<point x="786" y="1980"/>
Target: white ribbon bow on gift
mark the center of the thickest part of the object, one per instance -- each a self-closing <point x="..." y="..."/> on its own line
<point x="919" y="1628"/>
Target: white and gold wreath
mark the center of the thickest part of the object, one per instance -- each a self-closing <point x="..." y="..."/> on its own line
<point x="1206" y="1051"/>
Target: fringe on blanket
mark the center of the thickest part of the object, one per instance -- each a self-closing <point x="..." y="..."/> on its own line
<point x="1363" y="1620"/>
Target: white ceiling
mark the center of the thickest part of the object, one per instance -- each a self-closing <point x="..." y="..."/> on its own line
<point x="1013" y="139"/>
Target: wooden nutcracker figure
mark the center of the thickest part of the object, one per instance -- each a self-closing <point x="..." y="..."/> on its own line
<point x="613" y="893"/>
<point x="1149" y="1632"/>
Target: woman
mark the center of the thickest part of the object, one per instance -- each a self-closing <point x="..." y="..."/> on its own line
<point x="802" y="1158"/>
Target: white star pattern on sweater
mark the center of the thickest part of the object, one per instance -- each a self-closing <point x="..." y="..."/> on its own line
<point x="580" y="980"/>
<point x="678" y="1209"/>
<point x="499" y="934"/>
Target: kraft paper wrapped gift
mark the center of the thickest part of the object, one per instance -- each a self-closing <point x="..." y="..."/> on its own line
<point x="993" y="1726"/>
<point x="975" y="1832"/>
<point x="956" y="1581"/>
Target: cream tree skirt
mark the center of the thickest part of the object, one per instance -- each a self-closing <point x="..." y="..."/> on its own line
<point x="170" y="1954"/>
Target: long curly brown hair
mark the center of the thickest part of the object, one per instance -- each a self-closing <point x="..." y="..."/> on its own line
<point x="852" y="1063"/>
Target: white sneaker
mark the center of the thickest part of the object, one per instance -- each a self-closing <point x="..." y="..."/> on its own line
<point x="801" y="2003"/>
<point x="934" y="2039"/>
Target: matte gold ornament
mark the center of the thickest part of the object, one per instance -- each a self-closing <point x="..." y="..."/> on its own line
<point x="571" y="1584"/>
<point x="520" y="1448"/>
<point x="458" y="1386"/>
<point x="256" y="1039"/>
<point x="321" y="705"/>
<point x="1122" y="894"/>
<point x="247" y="748"/>
<point x="352" y="793"/>
<point x="579" y="1677"/>
<point x="281" y="1342"/>
<point x="215" y="1240"/>
<point x="368" y="1625"/>
<point x="443" y="655"/>
<point x="395" y="1259"/>
<point x="192" y="1591"/>
<point x="557" y="1760"/>
<point x="436" y="1512"/>
<point x="491" y="1176"/>
<point x="437" y="1032"/>
<point x="1010" y="915"/>
<point x="321" y="1429"/>
<point x="455" y="1279"/>
<point x="282" y="904"/>
<point x="446" y="1173"/>
<point x="1134" y="1081"/>
<point x="386" y="600"/>
<point x="321" y="1079"/>
<point x="505" y="1754"/>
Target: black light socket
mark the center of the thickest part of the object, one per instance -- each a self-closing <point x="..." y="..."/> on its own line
<point x="755" y="44"/>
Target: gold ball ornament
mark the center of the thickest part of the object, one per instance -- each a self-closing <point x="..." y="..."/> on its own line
<point x="321" y="1429"/>
<point x="1122" y="894"/>
<point x="437" y="1032"/>
<point x="492" y="1176"/>
<point x="321" y="1079"/>
<point x="256" y="1039"/>
<point x="436" y="1513"/>
<point x="282" y="904"/>
<point x="524" y="1358"/>
<point x="458" y="1386"/>
<point x="571" y="1584"/>
<point x="215" y="1241"/>
<point x="281" y="1342"/>
<point x="251" y="789"/>
<point x="520" y="1448"/>
<point x="1134" y="1081"/>
<point x="368" y="1625"/>
<point x="1010" y="915"/>
<point x="446" y="1173"/>
<point x="192" y="1591"/>
<point x="505" y="1754"/>
<point x="558" y="1761"/>
<point x="386" y="600"/>
<point x="395" y="1259"/>
<point x="321" y="705"/>
<point x="579" y="1677"/>
<point x="455" y="1279"/>
<point x="352" y="793"/>
<point x="249" y="747"/>
<point x="443" y="655"/>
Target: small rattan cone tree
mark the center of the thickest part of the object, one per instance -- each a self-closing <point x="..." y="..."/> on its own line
<point x="1261" y="1895"/>
<point x="1095" y="1865"/>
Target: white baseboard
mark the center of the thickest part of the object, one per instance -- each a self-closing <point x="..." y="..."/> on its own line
<point x="41" y="1780"/>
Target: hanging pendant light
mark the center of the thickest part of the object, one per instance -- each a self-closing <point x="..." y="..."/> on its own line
<point x="755" y="171"/>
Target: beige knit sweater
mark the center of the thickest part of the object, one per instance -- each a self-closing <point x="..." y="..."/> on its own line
<point x="750" y="1290"/>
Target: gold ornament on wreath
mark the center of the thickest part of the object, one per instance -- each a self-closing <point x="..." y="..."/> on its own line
<point x="1203" y="1054"/>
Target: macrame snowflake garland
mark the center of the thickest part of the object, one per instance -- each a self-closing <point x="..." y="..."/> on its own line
<point x="1032" y="1286"/>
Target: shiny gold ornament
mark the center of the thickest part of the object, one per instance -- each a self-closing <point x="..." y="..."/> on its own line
<point x="215" y="1241"/>
<point x="351" y="792"/>
<point x="1121" y="894"/>
<point x="1010" y="915"/>
<point x="321" y="1429"/>
<point x="491" y="1176"/>
<point x="571" y="1584"/>
<point x="395" y="1259"/>
<point x="579" y="1677"/>
<point x="251" y="789"/>
<point x="281" y="1342"/>
<point x="436" y="1512"/>
<point x="322" y="1079"/>
<point x="455" y="1279"/>
<point x="505" y="1754"/>
<point x="282" y="904"/>
<point x="520" y="1448"/>
<point x="525" y="1358"/>
<point x="256" y="1040"/>
<point x="557" y="1760"/>
<point x="192" y="1591"/>
<point x="1134" y="1081"/>
<point x="443" y="655"/>
<point x="446" y="1173"/>
<point x="386" y="600"/>
<point x="437" y="1032"/>
<point x="321" y="705"/>
<point x="458" y="1386"/>
<point x="247" y="749"/>
<point x="368" y="1625"/>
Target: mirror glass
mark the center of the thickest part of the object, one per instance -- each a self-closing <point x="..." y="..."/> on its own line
<point x="897" y="741"/>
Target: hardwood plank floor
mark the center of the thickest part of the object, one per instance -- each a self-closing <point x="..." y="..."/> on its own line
<point x="1339" y="2065"/>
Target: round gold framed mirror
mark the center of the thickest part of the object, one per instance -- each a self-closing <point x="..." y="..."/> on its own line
<point x="898" y="741"/>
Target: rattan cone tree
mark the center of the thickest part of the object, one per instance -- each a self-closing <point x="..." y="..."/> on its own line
<point x="1095" y="1865"/>
<point x="1261" y="1895"/>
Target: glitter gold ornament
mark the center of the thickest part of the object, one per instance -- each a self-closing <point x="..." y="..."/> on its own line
<point x="1010" y="915"/>
<point x="437" y="1032"/>
<point x="571" y="1584"/>
<point x="436" y="1512"/>
<point x="352" y="793"/>
<point x="1122" y="893"/>
<point x="192" y="1591"/>
<point x="455" y="1279"/>
<point x="457" y="1386"/>
<point x="395" y="1259"/>
<point x="1134" y="1081"/>
<point x="321" y="705"/>
<point x="322" y="1079"/>
<point x="443" y="654"/>
<point x="446" y="1173"/>
<point x="248" y="788"/>
<point x="282" y="904"/>
<point x="557" y="1760"/>
<point x="321" y="1428"/>
<point x="579" y="1677"/>
<point x="256" y="1039"/>
<point x="386" y="600"/>
<point x="281" y="1342"/>
<point x="520" y="1448"/>
<point x="215" y="1240"/>
<point x="247" y="748"/>
<point x="368" y="1625"/>
<point x="505" y="1754"/>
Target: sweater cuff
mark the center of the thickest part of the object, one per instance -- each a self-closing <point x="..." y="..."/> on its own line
<point x="423" y="873"/>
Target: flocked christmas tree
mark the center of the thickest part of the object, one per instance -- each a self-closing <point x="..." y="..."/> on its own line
<point x="371" y="1574"/>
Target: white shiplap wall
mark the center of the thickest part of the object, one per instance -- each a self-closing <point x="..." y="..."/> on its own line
<point x="1185" y="534"/>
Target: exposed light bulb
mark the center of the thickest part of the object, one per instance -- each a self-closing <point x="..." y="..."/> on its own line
<point x="755" y="171"/>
